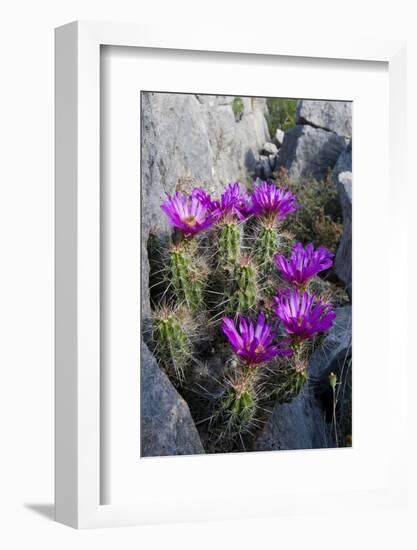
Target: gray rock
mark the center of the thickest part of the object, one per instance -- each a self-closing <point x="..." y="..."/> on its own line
<point x="342" y="174"/>
<point x="333" y="354"/>
<point x="263" y="168"/>
<point x="300" y="424"/>
<point x="166" y="424"/>
<point x="308" y="151"/>
<point x="335" y="116"/>
<point x="279" y="137"/>
<point x="272" y="161"/>
<point x="269" y="149"/>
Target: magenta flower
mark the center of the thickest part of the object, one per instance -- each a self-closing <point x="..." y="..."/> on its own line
<point x="304" y="263"/>
<point x="271" y="201"/>
<point x="205" y="199"/>
<point x="234" y="203"/>
<point x="189" y="213"/>
<point x="253" y="344"/>
<point x="303" y="315"/>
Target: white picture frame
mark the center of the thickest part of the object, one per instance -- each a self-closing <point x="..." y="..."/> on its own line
<point x="78" y="501"/>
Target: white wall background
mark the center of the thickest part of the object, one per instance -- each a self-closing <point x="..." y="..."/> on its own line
<point x="26" y="274"/>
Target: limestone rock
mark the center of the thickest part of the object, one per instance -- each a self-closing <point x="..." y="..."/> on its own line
<point x="300" y="424"/>
<point x="269" y="148"/>
<point x="308" y="151"/>
<point x="334" y="353"/>
<point x="279" y="137"/>
<point x="166" y="423"/>
<point x="342" y="174"/>
<point x="335" y="116"/>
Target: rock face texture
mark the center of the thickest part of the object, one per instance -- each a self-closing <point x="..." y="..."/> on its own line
<point x="300" y="424"/>
<point x="166" y="423"/>
<point x="342" y="174"/>
<point x="308" y="151"/>
<point x="335" y="116"/>
<point x="279" y="137"/>
<point x="313" y="146"/>
<point x="303" y="423"/>
<point x="189" y="139"/>
<point x="334" y="352"/>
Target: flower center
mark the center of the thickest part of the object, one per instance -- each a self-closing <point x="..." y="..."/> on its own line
<point x="190" y="220"/>
<point x="259" y="349"/>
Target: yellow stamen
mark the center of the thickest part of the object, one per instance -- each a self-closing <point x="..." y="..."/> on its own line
<point x="191" y="220"/>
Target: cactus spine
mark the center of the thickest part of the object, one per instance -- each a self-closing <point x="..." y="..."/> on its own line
<point x="172" y="345"/>
<point x="240" y="404"/>
<point x="267" y="244"/>
<point x="187" y="280"/>
<point x="229" y="244"/>
<point x="244" y="290"/>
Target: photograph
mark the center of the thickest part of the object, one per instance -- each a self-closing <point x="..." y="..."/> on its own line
<point x="246" y="274"/>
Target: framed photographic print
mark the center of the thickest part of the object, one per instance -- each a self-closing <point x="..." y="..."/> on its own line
<point x="222" y="344"/>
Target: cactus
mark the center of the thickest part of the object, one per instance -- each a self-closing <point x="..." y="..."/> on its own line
<point x="186" y="278"/>
<point x="206" y="277"/>
<point x="229" y="244"/>
<point x="244" y="291"/>
<point x="289" y="380"/>
<point x="172" y="344"/>
<point x="267" y="243"/>
<point x="239" y="405"/>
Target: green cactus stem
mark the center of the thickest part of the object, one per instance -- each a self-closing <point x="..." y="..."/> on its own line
<point x="172" y="345"/>
<point x="239" y="407"/>
<point x="243" y="294"/>
<point x="187" y="279"/>
<point x="290" y="381"/>
<point x="267" y="244"/>
<point x="229" y="244"/>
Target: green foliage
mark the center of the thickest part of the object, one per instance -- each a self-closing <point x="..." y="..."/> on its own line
<point x="281" y="114"/>
<point x="319" y="218"/>
<point x="238" y="108"/>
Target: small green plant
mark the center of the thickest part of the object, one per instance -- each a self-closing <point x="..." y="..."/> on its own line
<point x="333" y="383"/>
<point x="319" y="218"/>
<point x="238" y="108"/>
<point x="281" y="114"/>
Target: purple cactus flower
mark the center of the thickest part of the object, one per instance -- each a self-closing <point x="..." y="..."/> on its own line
<point x="304" y="263"/>
<point x="189" y="214"/>
<point x="205" y="199"/>
<point x="273" y="202"/>
<point x="234" y="203"/>
<point x="303" y="315"/>
<point x="253" y="344"/>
